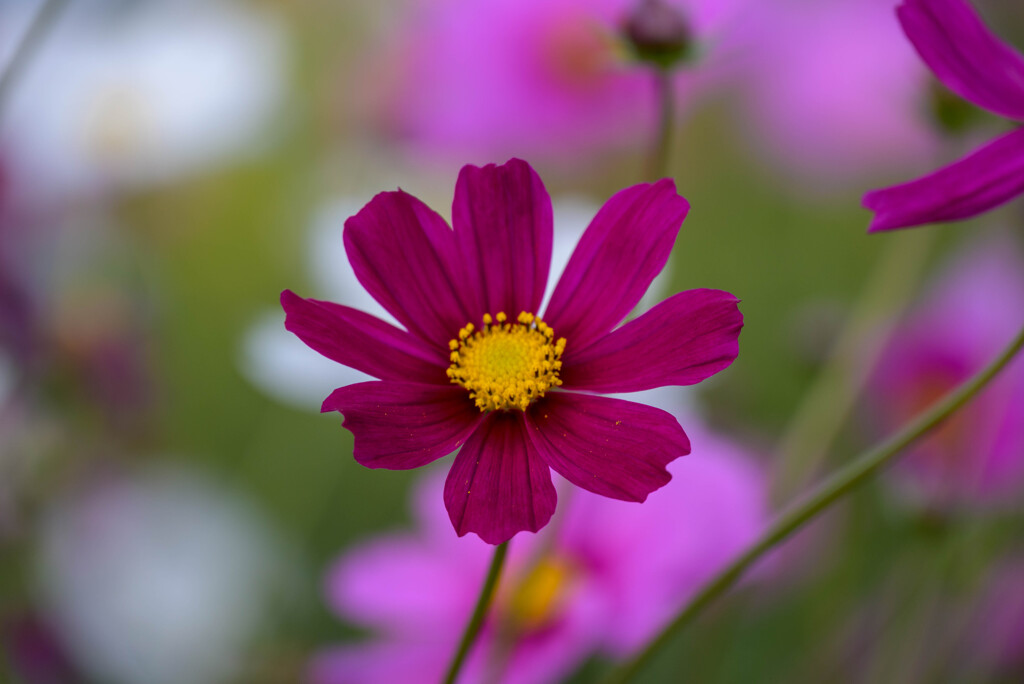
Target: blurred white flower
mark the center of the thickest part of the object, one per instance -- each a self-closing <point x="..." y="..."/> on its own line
<point x="281" y="366"/>
<point x="135" y="93"/>
<point x="160" y="578"/>
<point x="278" y="363"/>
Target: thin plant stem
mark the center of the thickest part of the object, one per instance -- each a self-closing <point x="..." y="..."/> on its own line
<point x="827" y="404"/>
<point x="44" y="19"/>
<point x="476" y="621"/>
<point x="657" y="162"/>
<point x="506" y="634"/>
<point x="823" y="496"/>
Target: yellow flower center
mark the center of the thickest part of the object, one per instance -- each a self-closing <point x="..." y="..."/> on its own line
<point x="506" y="365"/>
<point x="539" y="595"/>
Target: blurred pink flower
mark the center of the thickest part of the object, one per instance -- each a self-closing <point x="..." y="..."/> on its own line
<point x="835" y="92"/>
<point x="18" y="334"/>
<point x="537" y="78"/>
<point x="60" y="317"/>
<point x="976" y="65"/>
<point x="602" y="579"/>
<point x="978" y="455"/>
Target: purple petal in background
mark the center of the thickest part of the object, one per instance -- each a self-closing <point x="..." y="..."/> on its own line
<point x="404" y="584"/>
<point x="834" y="93"/>
<point x="649" y="559"/>
<point x="975" y="459"/>
<point x="965" y="55"/>
<point x="394" y="662"/>
<point x="980" y="181"/>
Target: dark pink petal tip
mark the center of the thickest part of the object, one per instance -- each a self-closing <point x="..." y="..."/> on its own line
<point x="402" y="425"/>
<point x="361" y="341"/>
<point x="504" y="232"/>
<point x="611" y="447"/>
<point x="983" y="180"/>
<point x="499" y="485"/>
<point x="965" y="55"/>
<point x="686" y="339"/>
<point x="623" y="249"/>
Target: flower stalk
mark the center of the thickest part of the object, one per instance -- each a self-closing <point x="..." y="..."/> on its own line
<point x="830" y="491"/>
<point x="660" y="37"/>
<point x="476" y="621"/>
<point x="832" y="396"/>
<point x="662" y="144"/>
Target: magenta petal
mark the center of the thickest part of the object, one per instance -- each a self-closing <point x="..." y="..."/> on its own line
<point x="402" y="252"/>
<point x="611" y="447"/>
<point x="980" y="181"/>
<point x="965" y="55"/>
<point x="498" y="485"/>
<point x="503" y="229"/>
<point x="402" y="425"/>
<point x="405" y="585"/>
<point x="361" y="341"/>
<point x="687" y="338"/>
<point x="623" y="249"/>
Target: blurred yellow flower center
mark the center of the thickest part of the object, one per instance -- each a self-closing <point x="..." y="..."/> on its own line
<point x="537" y="597"/>
<point x="506" y="365"/>
<point x="118" y="124"/>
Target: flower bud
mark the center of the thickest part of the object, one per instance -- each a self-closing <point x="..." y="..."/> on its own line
<point x="658" y="33"/>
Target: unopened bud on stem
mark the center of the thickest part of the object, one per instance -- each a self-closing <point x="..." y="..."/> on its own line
<point x="658" y="33"/>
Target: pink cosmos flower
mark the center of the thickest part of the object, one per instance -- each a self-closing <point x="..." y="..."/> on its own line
<point x="977" y="456"/>
<point x="603" y="579"/>
<point x="976" y="65"/>
<point x="478" y="371"/>
<point x="530" y="77"/>
<point x="834" y="91"/>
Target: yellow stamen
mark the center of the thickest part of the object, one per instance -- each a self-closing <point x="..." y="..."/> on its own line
<point x="539" y="595"/>
<point x="506" y="365"/>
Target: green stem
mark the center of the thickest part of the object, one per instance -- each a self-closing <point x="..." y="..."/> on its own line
<point x="507" y="633"/>
<point x="33" y="38"/>
<point x="657" y="163"/>
<point x="479" y="613"/>
<point x="830" y="491"/>
<point x="826" y="405"/>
